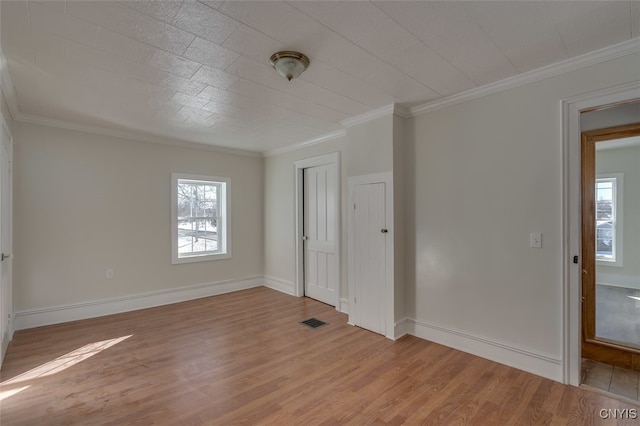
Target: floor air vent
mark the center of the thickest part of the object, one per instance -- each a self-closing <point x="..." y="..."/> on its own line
<point x="313" y="323"/>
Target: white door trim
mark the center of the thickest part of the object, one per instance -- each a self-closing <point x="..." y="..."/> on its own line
<point x="571" y="241"/>
<point x="388" y="293"/>
<point x="8" y="329"/>
<point x="299" y="166"/>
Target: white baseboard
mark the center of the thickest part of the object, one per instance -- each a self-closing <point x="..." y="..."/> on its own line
<point x="400" y="329"/>
<point x="615" y="280"/>
<point x="6" y="338"/>
<point x="521" y="359"/>
<point x="344" y="305"/>
<point x="98" y="308"/>
<point x="283" y="286"/>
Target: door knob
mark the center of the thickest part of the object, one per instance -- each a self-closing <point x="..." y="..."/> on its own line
<point x="384" y="231"/>
<point x="4" y="256"/>
<point x="305" y="238"/>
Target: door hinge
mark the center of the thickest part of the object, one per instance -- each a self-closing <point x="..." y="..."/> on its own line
<point x="354" y="206"/>
<point x="575" y="259"/>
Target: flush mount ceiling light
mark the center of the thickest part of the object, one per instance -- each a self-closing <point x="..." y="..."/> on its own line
<point x="289" y="64"/>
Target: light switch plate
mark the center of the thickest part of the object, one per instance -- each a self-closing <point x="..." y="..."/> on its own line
<point x="535" y="240"/>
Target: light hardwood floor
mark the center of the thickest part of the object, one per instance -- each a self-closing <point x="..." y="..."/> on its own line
<point x="243" y="358"/>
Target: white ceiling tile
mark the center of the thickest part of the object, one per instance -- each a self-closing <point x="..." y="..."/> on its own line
<point x="587" y="26"/>
<point x="214" y="4"/>
<point x="187" y="100"/>
<point x="450" y="32"/>
<point x="56" y="5"/>
<point x="174" y="64"/>
<point x="181" y="84"/>
<point x="16" y="36"/>
<point x="56" y="65"/>
<point x="332" y="79"/>
<point x="421" y="63"/>
<point x="76" y="52"/>
<point x="317" y="9"/>
<point x="367" y="26"/>
<point x="62" y="25"/>
<point x="164" y="10"/>
<point x="217" y="95"/>
<point x="214" y="77"/>
<point x="251" y="43"/>
<point x="191" y="112"/>
<point x="266" y="94"/>
<point x="275" y="19"/>
<point x="204" y="22"/>
<point x="106" y="14"/>
<point x="211" y="54"/>
<point x="523" y="31"/>
<point x="124" y="46"/>
<point x="15" y="14"/>
<point x="162" y="35"/>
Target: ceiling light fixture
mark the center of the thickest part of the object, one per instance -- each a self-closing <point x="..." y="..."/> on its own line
<point x="289" y="64"/>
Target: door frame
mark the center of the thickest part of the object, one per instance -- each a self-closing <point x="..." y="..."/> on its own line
<point x="7" y="333"/>
<point x="388" y="292"/>
<point x="298" y="169"/>
<point x="572" y="218"/>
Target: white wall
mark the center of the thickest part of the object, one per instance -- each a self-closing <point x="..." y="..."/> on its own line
<point x="370" y="148"/>
<point x="85" y="203"/>
<point x="486" y="173"/>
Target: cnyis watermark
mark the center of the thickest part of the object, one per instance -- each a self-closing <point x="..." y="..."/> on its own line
<point x="618" y="413"/>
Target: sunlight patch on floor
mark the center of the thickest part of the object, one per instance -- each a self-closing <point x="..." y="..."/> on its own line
<point x="59" y="364"/>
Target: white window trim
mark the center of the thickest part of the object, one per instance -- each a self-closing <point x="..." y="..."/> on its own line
<point x="226" y="214"/>
<point x="618" y="197"/>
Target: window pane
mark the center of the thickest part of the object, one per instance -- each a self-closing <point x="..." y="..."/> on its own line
<point x="197" y="213"/>
<point x="605" y="219"/>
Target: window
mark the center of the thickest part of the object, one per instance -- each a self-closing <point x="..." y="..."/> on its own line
<point x="609" y="219"/>
<point x="200" y="218"/>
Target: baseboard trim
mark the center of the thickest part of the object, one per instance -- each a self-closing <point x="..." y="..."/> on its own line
<point x="59" y="314"/>
<point x="521" y="359"/>
<point x="400" y="329"/>
<point x="344" y="305"/>
<point x="278" y="284"/>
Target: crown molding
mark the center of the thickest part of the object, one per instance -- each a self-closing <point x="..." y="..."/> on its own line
<point x="628" y="47"/>
<point x="299" y="145"/>
<point x="6" y="86"/>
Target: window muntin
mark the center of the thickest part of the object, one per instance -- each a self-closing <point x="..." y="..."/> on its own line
<point x="609" y="219"/>
<point x="200" y="225"/>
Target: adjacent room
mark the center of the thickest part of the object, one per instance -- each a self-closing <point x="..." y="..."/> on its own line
<point x="319" y="212"/>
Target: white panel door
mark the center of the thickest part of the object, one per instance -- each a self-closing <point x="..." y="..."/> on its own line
<point x="320" y="234"/>
<point x="370" y="256"/>
<point x="5" y="238"/>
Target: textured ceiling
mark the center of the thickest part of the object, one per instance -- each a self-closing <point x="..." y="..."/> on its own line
<point x="199" y="71"/>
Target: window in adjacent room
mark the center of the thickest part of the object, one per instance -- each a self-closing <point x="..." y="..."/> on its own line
<point x="200" y="218"/>
<point x="609" y="219"/>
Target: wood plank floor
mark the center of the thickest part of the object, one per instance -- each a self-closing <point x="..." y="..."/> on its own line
<point x="243" y="358"/>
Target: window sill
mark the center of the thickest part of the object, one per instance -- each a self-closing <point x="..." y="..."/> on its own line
<point x="200" y="258"/>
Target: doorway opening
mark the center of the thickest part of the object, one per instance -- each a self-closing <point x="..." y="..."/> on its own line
<point x="317" y="228"/>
